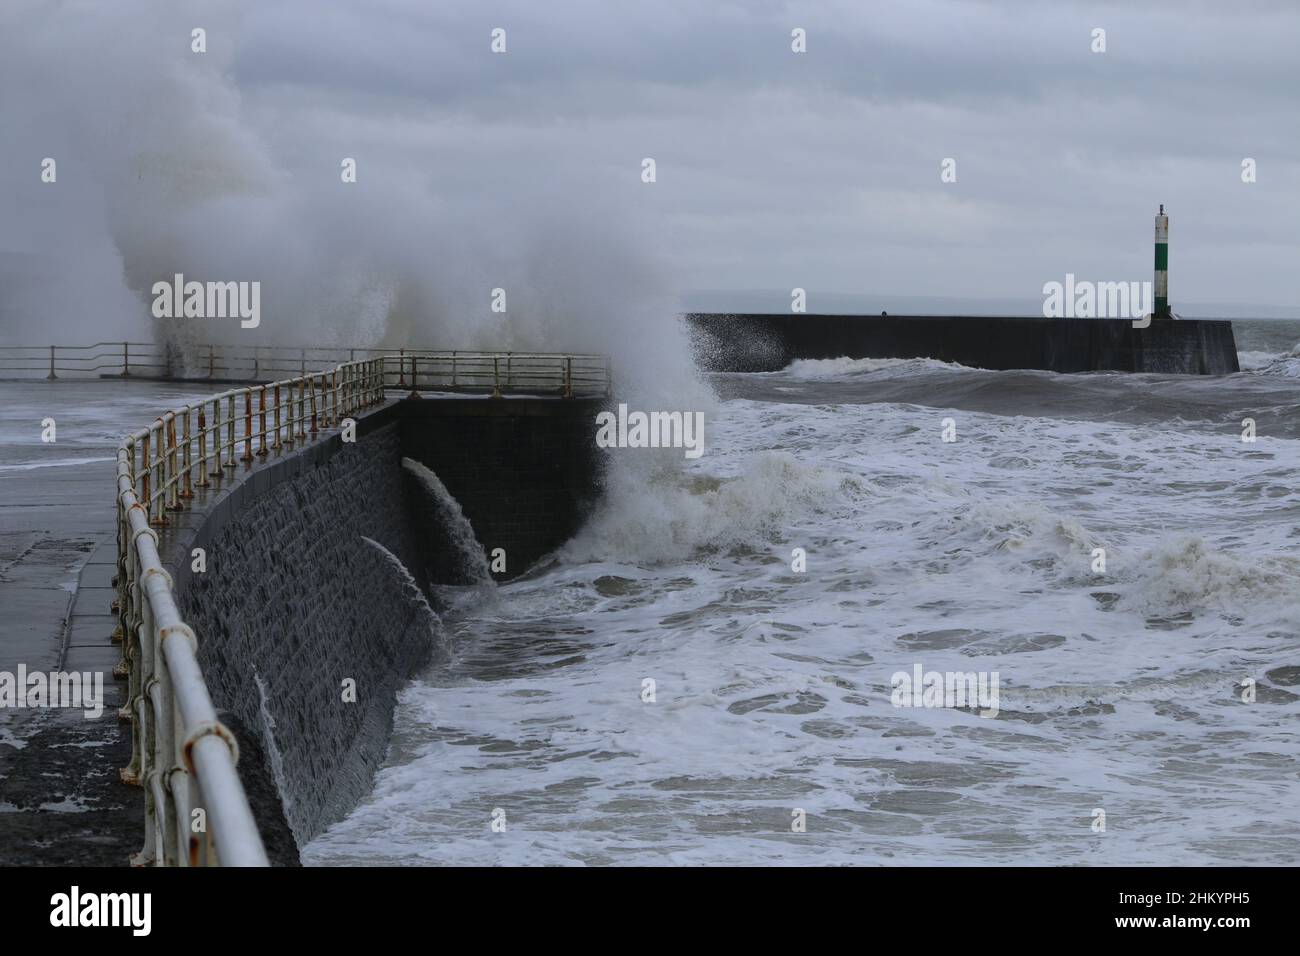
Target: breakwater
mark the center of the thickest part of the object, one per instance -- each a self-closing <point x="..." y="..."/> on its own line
<point x="739" y="342"/>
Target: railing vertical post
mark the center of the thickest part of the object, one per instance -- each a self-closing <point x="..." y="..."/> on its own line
<point x="302" y="408"/>
<point x="126" y="359"/>
<point x="261" y="427"/>
<point x="257" y="365"/>
<point x="496" y="376"/>
<point x="312" y="385"/>
<point x="401" y="367"/>
<point x="275" y="389"/>
<point x="453" y="370"/>
<point x="172" y="497"/>
<point x="51" y="377"/>
<point x="203" y="448"/>
<point x="146" y="471"/>
<point x="230" y="430"/>
<point x="158" y="474"/>
<point x="415" y="379"/>
<point x="211" y="365"/>
<point x="216" y="438"/>
<point x="187" y="466"/>
<point x="568" y="377"/>
<point x="288" y="412"/>
<point x="334" y="399"/>
<point x="248" y="427"/>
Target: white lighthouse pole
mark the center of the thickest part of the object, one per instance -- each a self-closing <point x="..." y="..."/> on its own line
<point x="1162" y="265"/>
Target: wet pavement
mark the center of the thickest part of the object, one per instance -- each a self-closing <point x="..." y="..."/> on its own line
<point x="60" y="798"/>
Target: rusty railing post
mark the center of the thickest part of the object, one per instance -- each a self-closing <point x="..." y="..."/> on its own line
<point x="288" y="413"/>
<point x="275" y="400"/>
<point x="415" y="379"/>
<point x="203" y="449"/>
<point x="216" y="439"/>
<point x="171" y="491"/>
<point x="248" y="427"/>
<point x="51" y="377"/>
<point x="302" y="408"/>
<point x="146" y="472"/>
<point x="230" y="430"/>
<point x="261" y="425"/>
<point x="312" y="385"/>
<point x="188" y="463"/>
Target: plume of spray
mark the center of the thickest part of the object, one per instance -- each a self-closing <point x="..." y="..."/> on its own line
<point x="169" y="165"/>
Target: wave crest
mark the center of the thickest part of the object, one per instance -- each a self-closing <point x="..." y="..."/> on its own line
<point x="1184" y="575"/>
<point x="672" y="514"/>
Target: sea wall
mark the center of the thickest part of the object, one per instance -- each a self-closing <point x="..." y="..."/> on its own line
<point x="765" y="343"/>
<point x="524" y="471"/>
<point x="306" y="632"/>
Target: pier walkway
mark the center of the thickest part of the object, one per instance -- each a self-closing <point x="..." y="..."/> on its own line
<point x="61" y="796"/>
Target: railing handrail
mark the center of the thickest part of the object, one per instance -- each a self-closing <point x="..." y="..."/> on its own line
<point x="583" y="373"/>
<point x="181" y="753"/>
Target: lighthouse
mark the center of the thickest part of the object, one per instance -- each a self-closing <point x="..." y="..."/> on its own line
<point x="1162" y="265"/>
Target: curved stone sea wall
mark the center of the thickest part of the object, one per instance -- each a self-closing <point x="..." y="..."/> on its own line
<point x="306" y="631"/>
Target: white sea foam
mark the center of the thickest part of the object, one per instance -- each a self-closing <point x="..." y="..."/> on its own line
<point x="1118" y="689"/>
<point x="674" y="513"/>
<point x="1184" y="574"/>
<point x="1285" y="364"/>
<point x="843" y="366"/>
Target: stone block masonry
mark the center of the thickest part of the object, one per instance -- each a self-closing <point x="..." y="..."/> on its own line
<point x="293" y="603"/>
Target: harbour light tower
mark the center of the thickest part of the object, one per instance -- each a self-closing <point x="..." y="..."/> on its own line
<point x="1162" y="265"/>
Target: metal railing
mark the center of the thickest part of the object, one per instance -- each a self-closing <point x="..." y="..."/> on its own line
<point x="182" y="756"/>
<point x="441" y="369"/>
<point x="498" y="373"/>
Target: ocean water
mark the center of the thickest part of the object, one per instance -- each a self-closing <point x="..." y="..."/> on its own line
<point x="1120" y="692"/>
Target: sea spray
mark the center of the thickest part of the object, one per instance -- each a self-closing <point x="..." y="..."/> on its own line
<point x="410" y="586"/>
<point x="459" y="530"/>
<point x="674" y="513"/>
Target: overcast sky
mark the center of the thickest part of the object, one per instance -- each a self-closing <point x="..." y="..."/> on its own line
<point x="523" y="170"/>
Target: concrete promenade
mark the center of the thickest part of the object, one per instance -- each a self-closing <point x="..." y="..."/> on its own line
<point x="60" y="798"/>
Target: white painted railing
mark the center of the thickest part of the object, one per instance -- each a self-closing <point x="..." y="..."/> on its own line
<point x="196" y="811"/>
<point x="181" y="754"/>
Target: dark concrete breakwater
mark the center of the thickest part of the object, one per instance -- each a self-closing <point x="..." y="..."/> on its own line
<point x="752" y="342"/>
<point x="306" y="631"/>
